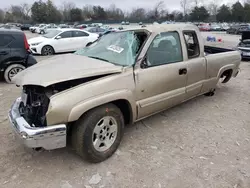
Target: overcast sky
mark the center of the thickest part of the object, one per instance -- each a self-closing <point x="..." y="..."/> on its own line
<point x="123" y="4"/>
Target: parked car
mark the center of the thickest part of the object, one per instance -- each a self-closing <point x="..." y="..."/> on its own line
<point x="224" y="27"/>
<point x="90" y="96"/>
<point x="123" y="23"/>
<point x="97" y="30"/>
<point x="46" y="29"/>
<point x="25" y="27"/>
<point x="237" y="29"/>
<point x="12" y="27"/>
<point x="33" y="28"/>
<point x="81" y="26"/>
<point x="14" y="54"/>
<point x="244" y="45"/>
<point x="41" y="26"/>
<point x="140" y="23"/>
<point x="204" y="27"/>
<point x="64" y="26"/>
<point x="61" y="40"/>
<point x="215" y="27"/>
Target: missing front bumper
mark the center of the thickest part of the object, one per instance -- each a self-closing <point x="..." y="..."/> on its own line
<point x="51" y="137"/>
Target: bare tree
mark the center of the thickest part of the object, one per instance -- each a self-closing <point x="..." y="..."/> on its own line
<point x="138" y="14"/>
<point x="185" y="7"/>
<point x="26" y="9"/>
<point x="88" y="12"/>
<point x="1" y="15"/>
<point x="158" y="10"/>
<point x="66" y="8"/>
<point x="213" y="7"/>
<point x="114" y="13"/>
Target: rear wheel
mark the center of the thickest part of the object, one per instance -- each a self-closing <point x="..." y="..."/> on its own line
<point x="47" y="50"/>
<point x="11" y="71"/>
<point x="97" y="135"/>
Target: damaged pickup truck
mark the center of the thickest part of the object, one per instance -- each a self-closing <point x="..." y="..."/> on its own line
<point x="88" y="97"/>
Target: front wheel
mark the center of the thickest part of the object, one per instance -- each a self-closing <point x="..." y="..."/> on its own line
<point x="47" y="50"/>
<point x="97" y="135"/>
<point x="11" y="71"/>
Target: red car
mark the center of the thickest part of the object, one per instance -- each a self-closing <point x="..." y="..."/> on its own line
<point x="81" y="26"/>
<point x="204" y="27"/>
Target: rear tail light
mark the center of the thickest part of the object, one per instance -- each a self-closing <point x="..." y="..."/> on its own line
<point x="26" y="45"/>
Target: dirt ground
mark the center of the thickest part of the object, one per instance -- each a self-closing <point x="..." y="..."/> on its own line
<point x="203" y="143"/>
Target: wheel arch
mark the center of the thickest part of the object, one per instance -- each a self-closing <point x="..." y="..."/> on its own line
<point x="125" y="104"/>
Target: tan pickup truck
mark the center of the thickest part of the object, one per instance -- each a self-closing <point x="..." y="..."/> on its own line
<point x="88" y="97"/>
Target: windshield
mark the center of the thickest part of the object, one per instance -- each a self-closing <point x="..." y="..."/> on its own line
<point x="118" y="48"/>
<point x="51" y="33"/>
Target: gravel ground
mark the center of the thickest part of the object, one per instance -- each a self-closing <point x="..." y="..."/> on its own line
<point x="203" y="143"/>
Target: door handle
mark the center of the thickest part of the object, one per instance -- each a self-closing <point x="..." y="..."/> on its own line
<point x="182" y="71"/>
<point x="3" y="53"/>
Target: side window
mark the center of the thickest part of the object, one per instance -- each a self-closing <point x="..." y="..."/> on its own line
<point x="165" y="49"/>
<point x="66" y="34"/>
<point x="5" y="40"/>
<point x="80" y="34"/>
<point x="100" y="30"/>
<point x="192" y="44"/>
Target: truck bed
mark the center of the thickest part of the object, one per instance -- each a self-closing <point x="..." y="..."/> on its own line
<point x="215" y="50"/>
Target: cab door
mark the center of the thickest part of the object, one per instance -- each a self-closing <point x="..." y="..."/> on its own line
<point x="162" y="75"/>
<point x="196" y="64"/>
<point x="65" y="43"/>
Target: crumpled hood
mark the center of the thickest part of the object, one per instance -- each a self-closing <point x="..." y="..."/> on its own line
<point x="62" y="68"/>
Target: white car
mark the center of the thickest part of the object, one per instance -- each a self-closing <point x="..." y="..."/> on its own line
<point x="37" y="28"/>
<point x="61" y="40"/>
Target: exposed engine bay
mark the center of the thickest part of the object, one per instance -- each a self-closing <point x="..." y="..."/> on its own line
<point x="34" y="105"/>
<point x="36" y="99"/>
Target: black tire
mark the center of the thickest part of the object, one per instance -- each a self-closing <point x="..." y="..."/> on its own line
<point x="47" y="50"/>
<point x="210" y="93"/>
<point x="11" y="71"/>
<point x="83" y="129"/>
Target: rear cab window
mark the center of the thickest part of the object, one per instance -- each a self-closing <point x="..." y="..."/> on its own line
<point x="192" y="44"/>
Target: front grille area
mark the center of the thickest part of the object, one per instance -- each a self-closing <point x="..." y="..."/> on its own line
<point x="37" y="103"/>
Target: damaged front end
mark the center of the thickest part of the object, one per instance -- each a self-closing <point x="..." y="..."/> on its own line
<point x="34" y="105"/>
<point x="28" y="115"/>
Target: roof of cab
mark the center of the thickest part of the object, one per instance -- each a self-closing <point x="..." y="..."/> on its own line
<point x="166" y="27"/>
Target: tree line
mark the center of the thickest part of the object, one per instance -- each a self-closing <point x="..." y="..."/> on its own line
<point x="192" y="10"/>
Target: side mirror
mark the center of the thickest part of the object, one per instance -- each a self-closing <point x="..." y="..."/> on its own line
<point x="58" y="37"/>
<point x="144" y="63"/>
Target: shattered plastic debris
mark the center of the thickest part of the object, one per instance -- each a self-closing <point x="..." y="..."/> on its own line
<point x="95" y="179"/>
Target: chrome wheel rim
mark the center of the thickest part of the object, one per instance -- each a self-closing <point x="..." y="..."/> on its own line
<point x="104" y="133"/>
<point x="13" y="72"/>
<point x="47" y="50"/>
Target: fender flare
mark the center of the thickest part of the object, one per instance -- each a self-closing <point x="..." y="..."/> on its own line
<point x="225" y="68"/>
